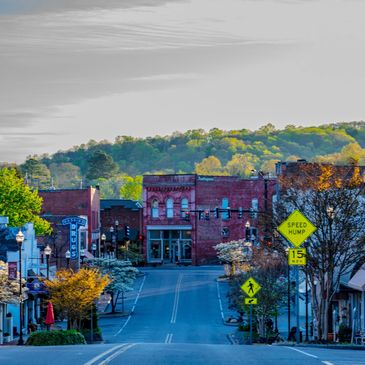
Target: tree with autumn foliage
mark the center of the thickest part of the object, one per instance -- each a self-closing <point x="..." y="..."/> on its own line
<point x="73" y="293"/>
<point x="332" y="198"/>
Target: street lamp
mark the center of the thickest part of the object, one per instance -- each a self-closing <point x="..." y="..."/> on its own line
<point x="68" y="256"/>
<point x="82" y="255"/>
<point x="247" y="225"/>
<point x="111" y="230"/>
<point x="47" y="251"/>
<point x="103" y="239"/>
<point x="93" y="248"/>
<point x="116" y="223"/>
<point x="19" y="240"/>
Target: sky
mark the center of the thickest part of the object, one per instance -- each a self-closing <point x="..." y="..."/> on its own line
<point x="75" y="70"/>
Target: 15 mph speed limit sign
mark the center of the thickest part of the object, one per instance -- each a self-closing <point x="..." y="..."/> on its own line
<point x="297" y="256"/>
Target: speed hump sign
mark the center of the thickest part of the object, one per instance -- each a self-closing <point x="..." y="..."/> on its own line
<point x="297" y="256"/>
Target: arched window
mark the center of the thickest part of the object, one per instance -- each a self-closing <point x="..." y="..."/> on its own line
<point x="169" y="208"/>
<point x="184" y="207"/>
<point x="154" y="209"/>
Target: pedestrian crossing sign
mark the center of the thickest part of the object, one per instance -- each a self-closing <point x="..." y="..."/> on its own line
<point x="250" y="301"/>
<point x="250" y="287"/>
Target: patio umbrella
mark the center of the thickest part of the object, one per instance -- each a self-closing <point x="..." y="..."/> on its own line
<point x="50" y="315"/>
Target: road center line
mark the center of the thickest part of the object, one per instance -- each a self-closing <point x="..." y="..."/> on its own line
<point x="168" y="338"/>
<point x="96" y="358"/>
<point x="302" y="352"/>
<point x="328" y="363"/>
<point x="115" y="354"/>
<point x="176" y="300"/>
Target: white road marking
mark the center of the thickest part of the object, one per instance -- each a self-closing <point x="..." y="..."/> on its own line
<point x="115" y="354"/>
<point x="133" y="308"/>
<point x="176" y="300"/>
<point x="328" y="363"/>
<point x="96" y="358"/>
<point x="220" y="300"/>
<point x="168" y="338"/>
<point x="302" y="352"/>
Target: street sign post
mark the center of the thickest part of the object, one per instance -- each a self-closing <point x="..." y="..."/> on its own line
<point x="296" y="228"/>
<point x="250" y="287"/>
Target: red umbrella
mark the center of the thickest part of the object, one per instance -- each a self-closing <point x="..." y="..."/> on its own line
<point x="50" y="315"/>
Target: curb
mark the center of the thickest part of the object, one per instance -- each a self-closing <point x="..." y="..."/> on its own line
<point x="322" y="346"/>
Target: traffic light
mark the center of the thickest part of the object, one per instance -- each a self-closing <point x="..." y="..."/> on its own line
<point x="228" y="213"/>
<point x="140" y="237"/>
<point x="200" y="214"/>
<point x="252" y="213"/>
<point x="240" y="213"/>
<point x="216" y="213"/>
<point x="127" y="231"/>
<point x="187" y="216"/>
<point x="206" y="214"/>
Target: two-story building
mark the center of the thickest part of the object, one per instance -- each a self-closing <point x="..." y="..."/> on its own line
<point x="185" y="216"/>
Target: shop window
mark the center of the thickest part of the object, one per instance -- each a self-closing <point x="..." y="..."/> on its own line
<point x="169" y="208"/>
<point x="155" y="210"/>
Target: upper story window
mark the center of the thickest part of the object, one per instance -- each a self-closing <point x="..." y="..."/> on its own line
<point x="225" y="205"/>
<point x="184" y="207"/>
<point x="154" y="209"/>
<point x="169" y="208"/>
<point x="255" y="206"/>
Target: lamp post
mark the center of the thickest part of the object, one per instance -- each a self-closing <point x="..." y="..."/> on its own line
<point x="247" y="225"/>
<point x="116" y="224"/>
<point x="93" y="248"/>
<point x="47" y="251"/>
<point x="82" y="255"/>
<point x="19" y="240"/>
<point x="68" y="256"/>
<point x="103" y="239"/>
<point x="112" y="237"/>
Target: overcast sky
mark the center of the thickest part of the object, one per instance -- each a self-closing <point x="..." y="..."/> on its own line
<point x="75" y="70"/>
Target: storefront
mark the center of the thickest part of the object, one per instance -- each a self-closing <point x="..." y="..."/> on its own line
<point x="169" y="244"/>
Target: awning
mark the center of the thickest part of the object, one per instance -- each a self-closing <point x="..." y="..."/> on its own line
<point x="358" y="280"/>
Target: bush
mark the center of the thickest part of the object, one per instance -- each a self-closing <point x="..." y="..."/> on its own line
<point x="54" y="338"/>
<point x="344" y="333"/>
<point x="97" y="335"/>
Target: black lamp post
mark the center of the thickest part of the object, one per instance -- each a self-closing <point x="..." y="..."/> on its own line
<point x="103" y="239"/>
<point x="116" y="223"/>
<point x="82" y="255"/>
<point x="93" y="248"/>
<point x="20" y="239"/>
<point x="248" y="236"/>
<point x="68" y="256"/>
<point x="47" y="251"/>
<point x="112" y="237"/>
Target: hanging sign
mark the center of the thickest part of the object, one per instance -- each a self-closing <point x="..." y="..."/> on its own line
<point x="74" y="222"/>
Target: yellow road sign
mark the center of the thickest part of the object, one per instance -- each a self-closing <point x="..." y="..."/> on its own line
<point x="250" y="287"/>
<point x="297" y="256"/>
<point x="296" y="228"/>
<point x="250" y="300"/>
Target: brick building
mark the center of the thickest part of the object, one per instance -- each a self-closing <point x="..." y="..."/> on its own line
<point x="118" y="214"/>
<point x="179" y="214"/>
<point x="63" y="203"/>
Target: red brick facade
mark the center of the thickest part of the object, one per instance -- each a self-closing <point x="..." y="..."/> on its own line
<point x="58" y="204"/>
<point x="168" y="234"/>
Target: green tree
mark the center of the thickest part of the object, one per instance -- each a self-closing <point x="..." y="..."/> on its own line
<point x="66" y="175"/>
<point x="132" y="188"/>
<point x="20" y="203"/>
<point x="37" y="174"/>
<point x="101" y="165"/>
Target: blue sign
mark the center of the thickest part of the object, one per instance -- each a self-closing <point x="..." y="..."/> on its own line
<point x="74" y="222"/>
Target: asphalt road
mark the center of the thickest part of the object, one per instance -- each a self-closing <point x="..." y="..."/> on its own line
<point x="177" y="319"/>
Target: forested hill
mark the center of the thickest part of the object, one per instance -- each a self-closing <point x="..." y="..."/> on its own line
<point x="234" y="152"/>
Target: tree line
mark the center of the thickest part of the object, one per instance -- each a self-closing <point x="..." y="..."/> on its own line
<point x="117" y="167"/>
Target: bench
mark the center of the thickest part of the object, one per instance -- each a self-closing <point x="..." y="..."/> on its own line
<point x="360" y="337"/>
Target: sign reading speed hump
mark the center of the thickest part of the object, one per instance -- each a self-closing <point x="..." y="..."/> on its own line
<point x="297" y="256"/>
<point x="296" y="228"/>
<point x="250" y="287"/>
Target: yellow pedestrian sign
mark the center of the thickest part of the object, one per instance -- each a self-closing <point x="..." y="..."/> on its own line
<point x="296" y="228"/>
<point x="251" y="301"/>
<point x="250" y="287"/>
<point x="297" y="256"/>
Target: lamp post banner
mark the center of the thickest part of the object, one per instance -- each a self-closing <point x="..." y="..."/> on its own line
<point x="12" y="270"/>
<point x="74" y="222"/>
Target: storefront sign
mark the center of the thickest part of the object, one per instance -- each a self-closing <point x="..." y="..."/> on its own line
<point x="75" y="223"/>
